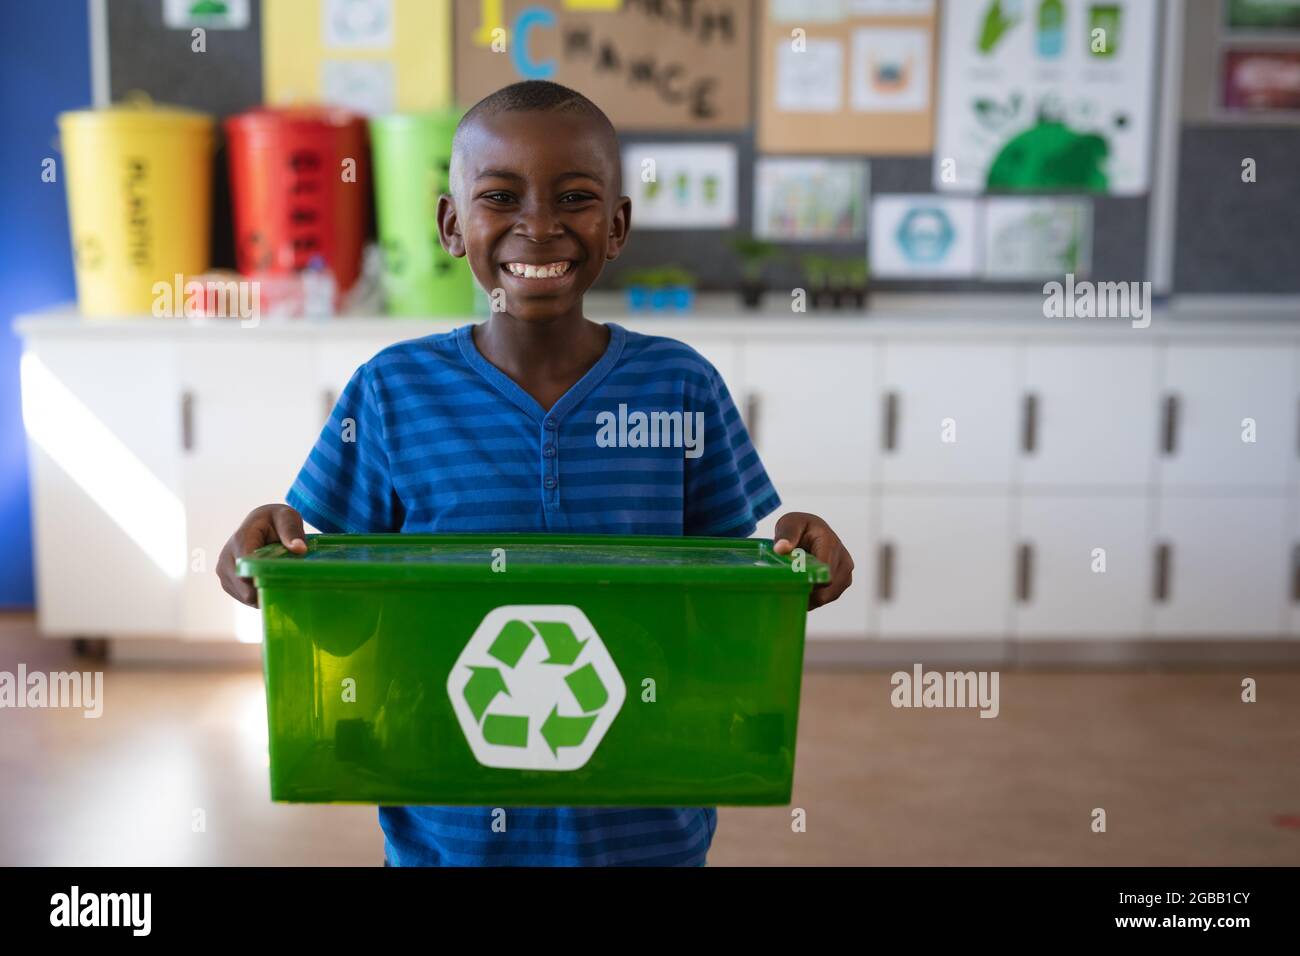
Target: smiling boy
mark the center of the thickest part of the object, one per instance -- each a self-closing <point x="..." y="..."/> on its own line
<point x="493" y="427"/>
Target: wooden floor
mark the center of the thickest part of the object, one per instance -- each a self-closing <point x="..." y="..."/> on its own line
<point x="1186" y="772"/>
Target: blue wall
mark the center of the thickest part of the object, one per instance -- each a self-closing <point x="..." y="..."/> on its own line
<point x="45" y="64"/>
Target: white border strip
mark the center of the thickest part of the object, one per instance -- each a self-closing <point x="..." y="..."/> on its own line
<point x="1162" y="214"/>
<point x="99" y="52"/>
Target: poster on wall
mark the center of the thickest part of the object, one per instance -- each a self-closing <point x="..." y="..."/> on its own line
<point x="807" y="11"/>
<point x="1041" y="238"/>
<point x="924" y="236"/>
<point x="1261" y="81"/>
<point x="371" y="56"/>
<point x="209" y="14"/>
<point x="665" y="65"/>
<point x="1046" y="96"/>
<point x="810" y="80"/>
<point x="849" y="77"/>
<point x="1259" y="15"/>
<point x="890" y="8"/>
<point x="891" y="70"/>
<point x="812" y="200"/>
<point x="681" y="185"/>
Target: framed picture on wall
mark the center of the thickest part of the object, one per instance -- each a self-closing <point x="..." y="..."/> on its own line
<point x="1262" y="15"/>
<point x="1260" y="81"/>
<point x="810" y="200"/>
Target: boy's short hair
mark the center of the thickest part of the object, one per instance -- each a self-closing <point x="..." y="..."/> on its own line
<point x="534" y="96"/>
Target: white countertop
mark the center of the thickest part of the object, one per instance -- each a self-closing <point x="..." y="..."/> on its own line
<point x="971" y="316"/>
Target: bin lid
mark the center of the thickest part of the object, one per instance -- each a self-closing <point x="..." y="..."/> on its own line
<point x="535" y="558"/>
<point x="272" y="119"/>
<point x="137" y="114"/>
<point x="440" y="123"/>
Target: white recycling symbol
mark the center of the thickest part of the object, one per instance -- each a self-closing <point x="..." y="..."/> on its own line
<point x="535" y="688"/>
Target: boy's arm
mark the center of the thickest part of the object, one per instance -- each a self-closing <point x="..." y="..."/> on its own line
<point x="797" y="529"/>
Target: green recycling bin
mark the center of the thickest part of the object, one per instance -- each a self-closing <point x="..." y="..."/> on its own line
<point x="532" y="669"/>
<point x="411" y="153"/>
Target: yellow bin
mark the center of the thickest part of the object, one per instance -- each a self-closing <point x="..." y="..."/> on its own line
<point x="139" y="203"/>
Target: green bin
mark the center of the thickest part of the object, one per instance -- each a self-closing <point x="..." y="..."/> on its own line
<point x="412" y="156"/>
<point x="532" y="669"/>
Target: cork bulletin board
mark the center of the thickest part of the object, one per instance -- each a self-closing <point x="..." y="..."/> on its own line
<point x="1253" y="249"/>
<point x="863" y="82"/>
<point x="649" y="64"/>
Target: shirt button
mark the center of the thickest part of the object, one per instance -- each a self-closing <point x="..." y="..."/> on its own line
<point x="549" y="451"/>
<point x="550" y="482"/>
<point x="550" y="423"/>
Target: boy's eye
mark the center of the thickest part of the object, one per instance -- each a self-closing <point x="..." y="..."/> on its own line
<point x="497" y="196"/>
<point x="576" y="197"/>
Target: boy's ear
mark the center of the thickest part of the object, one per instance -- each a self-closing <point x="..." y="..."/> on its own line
<point x="449" y="227"/>
<point x="620" y="224"/>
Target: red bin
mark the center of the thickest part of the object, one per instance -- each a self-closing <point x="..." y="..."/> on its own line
<point x="296" y="196"/>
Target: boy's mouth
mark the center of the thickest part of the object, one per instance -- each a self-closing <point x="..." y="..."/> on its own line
<point x="543" y="270"/>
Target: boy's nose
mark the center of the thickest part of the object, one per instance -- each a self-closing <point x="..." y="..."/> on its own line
<point x="538" y="223"/>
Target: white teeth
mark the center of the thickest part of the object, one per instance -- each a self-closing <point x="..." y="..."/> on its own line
<point x="528" y="271"/>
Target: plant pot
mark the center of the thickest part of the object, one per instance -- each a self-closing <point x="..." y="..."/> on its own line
<point x="676" y="298"/>
<point x="751" y="293"/>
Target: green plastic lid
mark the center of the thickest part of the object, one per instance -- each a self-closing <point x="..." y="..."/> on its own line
<point x="442" y="122"/>
<point x="536" y="558"/>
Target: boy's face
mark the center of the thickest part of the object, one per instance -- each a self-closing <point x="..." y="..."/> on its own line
<point x="533" y="189"/>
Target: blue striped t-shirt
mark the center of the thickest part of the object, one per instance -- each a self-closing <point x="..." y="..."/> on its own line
<point x="428" y="436"/>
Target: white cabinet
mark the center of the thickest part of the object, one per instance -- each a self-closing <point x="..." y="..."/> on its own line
<point x="944" y="566"/>
<point x="850" y="516"/>
<point x="1209" y="393"/>
<point x="230" y="465"/>
<point x="108" y="522"/>
<point x="1083" y="567"/>
<point x="1221" y="566"/>
<point x="949" y="414"/>
<point x="1088" y="415"/>
<point x="140" y="476"/>
<point x="149" y="441"/>
<point x="807" y="411"/>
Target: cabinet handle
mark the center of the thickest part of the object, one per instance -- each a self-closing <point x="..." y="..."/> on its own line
<point x="1163" y="560"/>
<point x="1169" y="439"/>
<point x="1029" y="433"/>
<point x="889" y="432"/>
<point x="1024" y="572"/>
<point x="753" y="407"/>
<point x="329" y="399"/>
<point x="187" y="420"/>
<point x="885" y="579"/>
<point x="1295" y="574"/>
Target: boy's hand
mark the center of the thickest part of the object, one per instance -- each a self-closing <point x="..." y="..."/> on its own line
<point x="800" y="530"/>
<point x="265" y="525"/>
